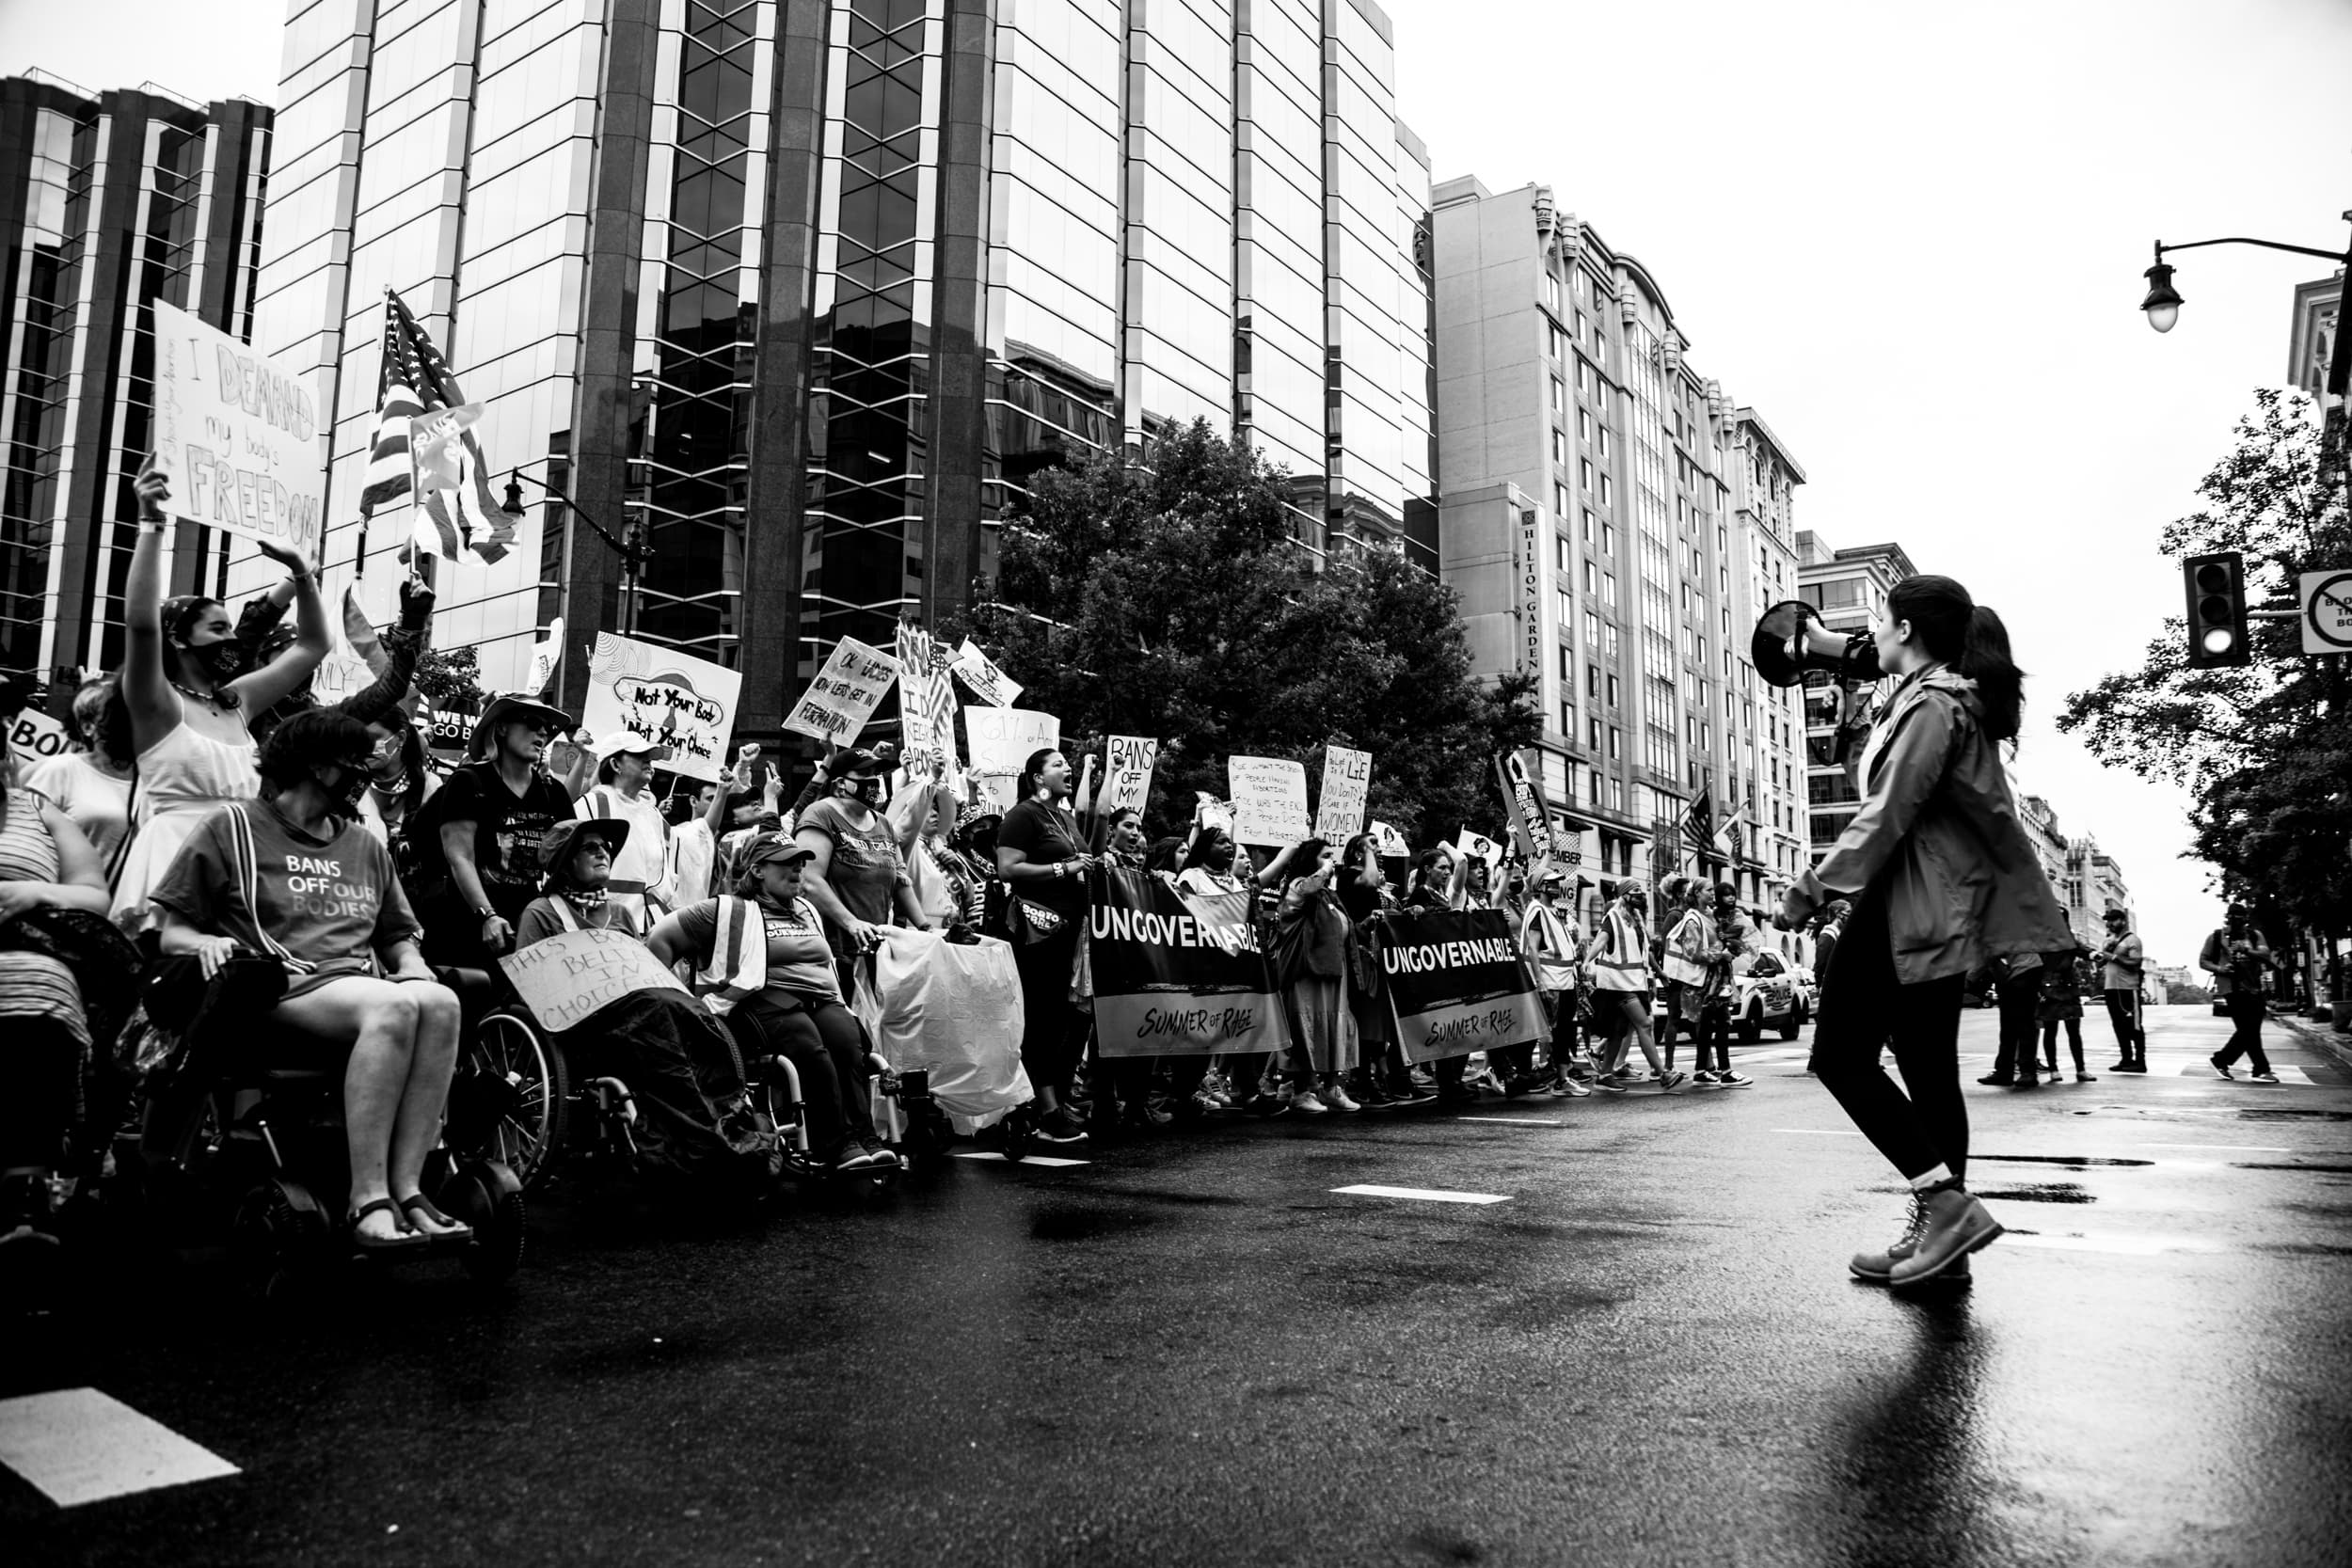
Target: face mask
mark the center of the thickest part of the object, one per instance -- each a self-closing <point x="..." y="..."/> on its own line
<point x="224" y="661"/>
<point x="865" y="790"/>
<point x="343" y="796"/>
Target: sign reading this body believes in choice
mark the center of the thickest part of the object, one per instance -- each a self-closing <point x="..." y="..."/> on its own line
<point x="670" y="698"/>
<point x="572" y="973"/>
<point x="1176" y="974"/>
<point x="1458" y="983"/>
<point x="236" y="437"/>
<point x="1346" y="785"/>
<point x="1269" y="800"/>
<point x="845" y="693"/>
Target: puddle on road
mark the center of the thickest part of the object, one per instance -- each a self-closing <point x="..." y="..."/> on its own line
<point x="2073" y="1162"/>
<point x="2281" y="1115"/>
<point x="2324" y="1170"/>
<point x="2040" y="1192"/>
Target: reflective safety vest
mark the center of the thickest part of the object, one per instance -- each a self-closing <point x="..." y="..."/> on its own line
<point x="738" y="957"/>
<point x="1622" y="961"/>
<point x="1683" y="965"/>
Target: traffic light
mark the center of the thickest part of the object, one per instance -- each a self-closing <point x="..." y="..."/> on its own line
<point x="2217" y="610"/>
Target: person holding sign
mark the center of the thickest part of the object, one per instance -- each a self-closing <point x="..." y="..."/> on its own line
<point x="1044" y="863"/>
<point x="294" y="876"/>
<point x="761" y="956"/>
<point x="663" y="1044"/>
<point x="188" y="694"/>
<point x="641" y="872"/>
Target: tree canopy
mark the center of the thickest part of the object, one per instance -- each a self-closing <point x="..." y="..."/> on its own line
<point x="1169" y="599"/>
<point x="2265" y="749"/>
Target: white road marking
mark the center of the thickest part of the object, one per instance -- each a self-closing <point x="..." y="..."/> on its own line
<point x="80" y="1446"/>
<point x="2287" y="1075"/>
<point x="1051" y="1160"/>
<point x="2136" y="1246"/>
<point x="1432" y="1194"/>
<point x="1820" y="1131"/>
<point x="1514" y="1121"/>
<point x="2240" y="1148"/>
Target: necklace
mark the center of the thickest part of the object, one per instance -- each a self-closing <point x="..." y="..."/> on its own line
<point x="210" y="699"/>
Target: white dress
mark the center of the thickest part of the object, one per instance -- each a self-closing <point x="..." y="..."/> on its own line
<point x="181" y="778"/>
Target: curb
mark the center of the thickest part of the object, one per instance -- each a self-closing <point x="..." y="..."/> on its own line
<point x="2319" y="1036"/>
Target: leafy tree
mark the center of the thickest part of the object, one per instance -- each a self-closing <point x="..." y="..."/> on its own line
<point x="2265" y="749"/>
<point x="450" y="679"/>
<point x="1171" y="600"/>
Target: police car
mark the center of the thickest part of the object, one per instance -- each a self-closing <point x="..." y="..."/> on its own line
<point x="1769" y="993"/>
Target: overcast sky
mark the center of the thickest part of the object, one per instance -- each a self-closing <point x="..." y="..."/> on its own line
<point x="1912" y="237"/>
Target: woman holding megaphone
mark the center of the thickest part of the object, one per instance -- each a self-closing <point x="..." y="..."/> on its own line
<point x="1943" y="880"/>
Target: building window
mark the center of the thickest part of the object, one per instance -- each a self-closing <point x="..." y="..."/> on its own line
<point x="1559" y="444"/>
<point x="1584" y="425"/>
<point x="1603" y="438"/>
<point x="1609" y="588"/>
<point x="1592" y="683"/>
<point x="1591" y="577"/>
<point x="1609" y="538"/>
<point x="1616" y="803"/>
<point x="1606" y="498"/>
<point x="1615" y="743"/>
<point x="1588" y="525"/>
<point x="1558" y="341"/>
<point x="1591" y="631"/>
<point x="1594" y="726"/>
<point x="1559" y="498"/>
<point x="1559" y="395"/>
<point x="1568" y="668"/>
<point x="1568" y="718"/>
<point x="1612" y="692"/>
<point x="1584" y="471"/>
<point x="1559" y="552"/>
<point x="1551" y="291"/>
<point x="1567" y="608"/>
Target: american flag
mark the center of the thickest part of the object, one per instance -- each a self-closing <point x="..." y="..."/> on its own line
<point x="927" y="699"/>
<point x="457" y="522"/>
<point x="1698" y="823"/>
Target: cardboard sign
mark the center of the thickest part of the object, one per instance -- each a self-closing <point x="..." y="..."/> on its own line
<point x="572" y="973"/>
<point x="34" y="737"/>
<point x="1176" y="974"/>
<point x="1478" y="847"/>
<point x="236" y="435"/>
<point x="342" y="674"/>
<point x="1269" y="800"/>
<point x="1129" y="782"/>
<point x="670" y="698"/>
<point x="988" y="683"/>
<point x="845" y="693"/>
<point x="1457" y="982"/>
<point x="1346" y="787"/>
<point x="1391" y="843"/>
<point x="1002" y="740"/>
<point x="927" y="697"/>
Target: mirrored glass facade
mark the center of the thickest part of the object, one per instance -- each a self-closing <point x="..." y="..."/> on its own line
<point x="803" y="293"/>
<point x="111" y="202"/>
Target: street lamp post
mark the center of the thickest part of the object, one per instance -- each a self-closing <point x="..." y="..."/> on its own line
<point x="629" y="547"/>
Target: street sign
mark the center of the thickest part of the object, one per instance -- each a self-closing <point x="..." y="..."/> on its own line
<point x="2327" y="617"/>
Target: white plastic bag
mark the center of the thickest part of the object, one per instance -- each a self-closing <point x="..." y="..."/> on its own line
<point x="953" y="1011"/>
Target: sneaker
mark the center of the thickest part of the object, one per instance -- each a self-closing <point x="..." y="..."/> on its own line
<point x="1307" y="1105"/>
<point x="1613" y="1082"/>
<point x="2120" y="1067"/>
<point x="2137" y="1067"/>
<point x="1338" y="1099"/>
<point x="2086" y="1078"/>
<point x="1703" y="1079"/>
<point x="882" y="1157"/>
<point x="1998" y="1080"/>
<point x="1570" y="1089"/>
<point x="2261" y="1077"/>
<point x="1956" y="1225"/>
<point x="1059" y="1126"/>
<point x="1668" y="1080"/>
<point x="2028" y="1081"/>
<point x="2220" y="1067"/>
<point x="1448" y="1098"/>
<point x="1265" y="1104"/>
<point x="1877" y="1268"/>
<point x="1734" y="1081"/>
<point x="1144" y="1114"/>
<point x="1208" y="1104"/>
<point x="1374" y="1098"/>
<point x="1406" y="1091"/>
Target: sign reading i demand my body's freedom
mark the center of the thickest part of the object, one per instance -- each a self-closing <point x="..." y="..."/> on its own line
<point x="1176" y="974"/>
<point x="236" y="437"/>
<point x="1457" y="982"/>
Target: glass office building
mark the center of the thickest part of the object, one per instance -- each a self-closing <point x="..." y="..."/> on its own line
<point x="111" y="201"/>
<point x="803" y="291"/>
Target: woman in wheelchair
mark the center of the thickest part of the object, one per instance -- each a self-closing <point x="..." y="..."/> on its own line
<point x="778" y="982"/>
<point x="674" y="1056"/>
<point x="294" y="876"/>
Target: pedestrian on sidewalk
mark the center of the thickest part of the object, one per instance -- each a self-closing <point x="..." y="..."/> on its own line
<point x="2236" y="957"/>
<point x="2062" y="1006"/>
<point x="2121" y="962"/>
<point x="1946" y="880"/>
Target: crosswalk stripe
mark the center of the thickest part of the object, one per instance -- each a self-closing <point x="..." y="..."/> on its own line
<point x="1514" y="1121"/>
<point x="1430" y="1194"/>
<point x="79" y="1446"/>
<point x="1051" y="1160"/>
<point x="2130" y="1246"/>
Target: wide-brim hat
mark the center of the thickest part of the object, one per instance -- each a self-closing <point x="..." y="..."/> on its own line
<point x="557" y="844"/>
<point x="508" y="706"/>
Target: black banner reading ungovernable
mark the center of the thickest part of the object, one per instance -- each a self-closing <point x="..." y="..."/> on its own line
<point x="1458" y="983"/>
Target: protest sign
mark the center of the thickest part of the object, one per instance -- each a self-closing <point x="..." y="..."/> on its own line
<point x="1215" y="813"/>
<point x="1002" y="740"/>
<point x="342" y="674"/>
<point x="845" y="693"/>
<point x="572" y="973"/>
<point x="927" y="698"/>
<point x="670" y="698"/>
<point x="1457" y="982"/>
<point x="545" y="657"/>
<point x="1538" y="832"/>
<point x="1478" y="847"/>
<point x="1129" y="781"/>
<point x="1346" y="785"/>
<point x="34" y="737"/>
<point x="1392" y="843"/>
<point x="1175" y="975"/>
<point x="1269" y="799"/>
<point x="988" y="683"/>
<point x="236" y="435"/>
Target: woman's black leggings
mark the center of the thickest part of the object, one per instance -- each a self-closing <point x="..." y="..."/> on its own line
<point x="2074" y="1038"/>
<point x="821" y="1040"/>
<point x="1865" y="1008"/>
<point x="1052" y="1033"/>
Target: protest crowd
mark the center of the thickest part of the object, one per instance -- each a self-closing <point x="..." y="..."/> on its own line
<point x="228" y="886"/>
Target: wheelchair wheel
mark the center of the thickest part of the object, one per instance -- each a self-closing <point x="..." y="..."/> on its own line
<point x="510" y="1097"/>
<point x="277" y="1227"/>
<point x="488" y="1197"/>
<point x="1020" y="1130"/>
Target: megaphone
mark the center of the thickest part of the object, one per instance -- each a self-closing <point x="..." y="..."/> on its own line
<point x="1790" y="639"/>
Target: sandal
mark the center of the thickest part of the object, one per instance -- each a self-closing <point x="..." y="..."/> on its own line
<point x="451" y="1230"/>
<point x="406" y="1238"/>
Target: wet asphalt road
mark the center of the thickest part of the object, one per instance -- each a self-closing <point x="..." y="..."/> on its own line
<point x="1192" y="1351"/>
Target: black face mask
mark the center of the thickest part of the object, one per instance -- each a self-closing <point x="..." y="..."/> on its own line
<point x="868" y="791"/>
<point x="224" y="660"/>
<point x="344" y="797"/>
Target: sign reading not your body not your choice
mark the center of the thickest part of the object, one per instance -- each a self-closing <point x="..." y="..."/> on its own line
<point x="1458" y="983"/>
<point x="1174" y="973"/>
<point x="236" y="435"/>
<point x="572" y="973"/>
<point x="670" y="698"/>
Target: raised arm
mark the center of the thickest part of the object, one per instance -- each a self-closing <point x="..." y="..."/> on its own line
<point x="263" y="688"/>
<point x="154" y="706"/>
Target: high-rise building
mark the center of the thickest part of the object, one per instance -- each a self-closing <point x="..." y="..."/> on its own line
<point x="2094" y="884"/>
<point x="111" y="201"/>
<point x="803" y="291"/>
<point x="2312" y="342"/>
<point x="1849" y="588"/>
<point x="1615" y="523"/>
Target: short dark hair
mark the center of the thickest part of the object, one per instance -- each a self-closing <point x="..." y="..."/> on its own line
<point x="313" y="738"/>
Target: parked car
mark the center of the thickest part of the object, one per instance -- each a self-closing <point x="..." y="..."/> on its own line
<point x="1770" y="993"/>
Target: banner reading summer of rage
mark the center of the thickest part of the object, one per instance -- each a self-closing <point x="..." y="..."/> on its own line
<point x="671" y="699"/>
<point x="1458" y="983"/>
<point x="1176" y="974"/>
